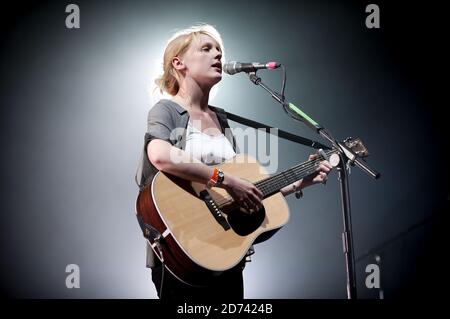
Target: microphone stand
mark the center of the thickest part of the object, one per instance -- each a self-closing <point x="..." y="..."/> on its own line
<point x="347" y="158"/>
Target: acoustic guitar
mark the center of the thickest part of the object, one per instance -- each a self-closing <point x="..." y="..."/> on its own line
<point x="198" y="232"/>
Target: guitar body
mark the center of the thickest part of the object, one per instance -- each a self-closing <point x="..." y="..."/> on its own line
<point x="196" y="246"/>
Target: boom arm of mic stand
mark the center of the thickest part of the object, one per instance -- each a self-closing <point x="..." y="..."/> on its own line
<point x="299" y="114"/>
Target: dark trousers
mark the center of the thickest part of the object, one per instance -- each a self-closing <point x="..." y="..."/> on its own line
<point x="228" y="285"/>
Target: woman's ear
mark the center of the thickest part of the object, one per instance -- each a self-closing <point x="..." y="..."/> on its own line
<point x="178" y="64"/>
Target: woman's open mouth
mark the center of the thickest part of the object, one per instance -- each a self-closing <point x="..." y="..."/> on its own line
<point x="217" y="66"/>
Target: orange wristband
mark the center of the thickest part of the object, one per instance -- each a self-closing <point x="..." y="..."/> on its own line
<point x="213" y="180"/>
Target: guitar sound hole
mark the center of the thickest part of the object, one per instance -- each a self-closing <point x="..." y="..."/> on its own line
<point x="244" y="223"/>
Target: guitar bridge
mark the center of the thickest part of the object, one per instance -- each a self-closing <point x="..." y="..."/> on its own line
<point x="214" y="209"/>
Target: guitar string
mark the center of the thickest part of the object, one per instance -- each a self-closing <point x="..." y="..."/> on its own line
<point x="274" y="181"/>
<point x="268" y="184"/>
<point x="296" y="169"/>
<point x="271" y="183"/>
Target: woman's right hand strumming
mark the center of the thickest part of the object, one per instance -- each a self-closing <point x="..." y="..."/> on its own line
<point x="243" y="192"/>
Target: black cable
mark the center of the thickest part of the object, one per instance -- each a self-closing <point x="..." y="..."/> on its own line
<point x="162" y="280"/>
<point x="283" y="86"/>
<point x="283" y="97"/>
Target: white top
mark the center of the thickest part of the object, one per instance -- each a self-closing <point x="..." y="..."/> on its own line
<point x="209" y="149"/>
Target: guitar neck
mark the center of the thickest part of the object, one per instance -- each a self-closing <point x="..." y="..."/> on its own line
<point x="273" y="184"/>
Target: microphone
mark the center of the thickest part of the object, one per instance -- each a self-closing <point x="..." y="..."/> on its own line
<point x="234" y="67"/>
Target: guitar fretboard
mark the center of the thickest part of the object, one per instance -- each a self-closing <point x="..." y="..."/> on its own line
<point x="275" y="183"/>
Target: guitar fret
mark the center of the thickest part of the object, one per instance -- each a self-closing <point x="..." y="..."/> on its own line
<point x="276" y="182"/>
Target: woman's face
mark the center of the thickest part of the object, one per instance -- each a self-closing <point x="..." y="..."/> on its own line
<point x="202" y="61"/>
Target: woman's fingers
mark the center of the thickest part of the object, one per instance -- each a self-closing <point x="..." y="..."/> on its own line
<point x="319" y="178"/>
<point x="259" y="193"/>
<point x="323" y="167"/>
<point x="254" y="199"/>
<point x="327" y="164"/>
<point x="247" y="195"/>
<point x="257" y="201"/>
<point x="245" y="205"/>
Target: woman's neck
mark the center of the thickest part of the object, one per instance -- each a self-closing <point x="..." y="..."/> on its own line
<point x="193" y="97"/>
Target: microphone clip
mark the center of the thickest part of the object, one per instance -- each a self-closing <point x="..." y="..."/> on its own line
<point x="254" y="78"/>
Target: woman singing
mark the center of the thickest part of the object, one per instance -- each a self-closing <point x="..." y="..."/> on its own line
<point x="192" y="65"/>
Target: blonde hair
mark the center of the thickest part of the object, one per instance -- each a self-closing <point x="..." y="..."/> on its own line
<point x="177" y="45"/>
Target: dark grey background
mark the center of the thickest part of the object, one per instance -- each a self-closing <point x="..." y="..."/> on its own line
<point x="73" y="115"/>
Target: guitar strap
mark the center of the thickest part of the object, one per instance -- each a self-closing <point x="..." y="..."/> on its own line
<point x="281" y="133"/>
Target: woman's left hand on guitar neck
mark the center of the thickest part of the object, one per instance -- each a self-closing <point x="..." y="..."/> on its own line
<point x="319" y="176"/>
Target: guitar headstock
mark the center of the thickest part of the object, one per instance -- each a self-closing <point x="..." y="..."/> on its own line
<point x="357" y="146"/>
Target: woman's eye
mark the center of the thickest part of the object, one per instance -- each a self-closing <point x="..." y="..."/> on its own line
<point x="205" y="49"/>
